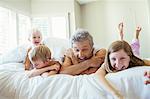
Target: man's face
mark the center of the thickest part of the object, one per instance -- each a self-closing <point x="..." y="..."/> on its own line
<point x="83" y="50"/>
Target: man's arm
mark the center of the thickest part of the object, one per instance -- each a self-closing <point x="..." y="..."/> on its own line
<point x="68" y="68"/>
<point x="101" y="55"/>
<point x="69" y="53"/>
<point x="95" y="61"/>
<point x="90" y="70"/>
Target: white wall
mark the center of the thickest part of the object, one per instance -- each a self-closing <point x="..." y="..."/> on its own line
<point x="46" y="8"/>
<point x="148" y="2"/>
<point x="101" y="18"/>
<point x="21" y="6"/>
<point x="77" y="9"/>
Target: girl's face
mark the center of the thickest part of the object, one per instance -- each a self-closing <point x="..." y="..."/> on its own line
<point x="36" y="38"/>
<point x="119" y="60"/>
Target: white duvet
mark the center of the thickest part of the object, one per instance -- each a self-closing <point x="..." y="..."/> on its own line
<point x="14" y="84"/>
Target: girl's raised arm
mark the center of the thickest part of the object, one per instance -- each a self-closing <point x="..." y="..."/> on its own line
<point x="101" y="72"/>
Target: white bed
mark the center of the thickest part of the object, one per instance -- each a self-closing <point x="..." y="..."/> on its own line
<point x="14" y="84"/>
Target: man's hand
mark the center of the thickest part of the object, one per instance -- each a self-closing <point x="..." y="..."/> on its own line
<point x="90" y="70"/>
<point x="69" y="53"/>
<point x="95" y="62"/>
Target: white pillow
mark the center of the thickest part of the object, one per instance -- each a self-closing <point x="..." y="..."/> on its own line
<point x="57" y="46"/>
<point x="131" y="82"/>
<point x="16" y="55"/>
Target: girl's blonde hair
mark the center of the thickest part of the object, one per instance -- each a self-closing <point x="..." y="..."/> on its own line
<point x="119" y="45"/>
<point x="34" y="30"/>
<point x="40" y="52"/>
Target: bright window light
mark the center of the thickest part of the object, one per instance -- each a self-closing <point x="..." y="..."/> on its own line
<point x="13" y="29"/>
<point x="24" y="26"/>
<point x="59" y="27"/>
<point x="7" y="30"/>
<point x="42" y="24"/>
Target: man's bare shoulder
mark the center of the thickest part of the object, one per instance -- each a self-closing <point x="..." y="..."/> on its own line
<point x="101" y="52"/>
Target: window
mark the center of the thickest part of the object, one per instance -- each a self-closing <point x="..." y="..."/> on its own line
<point x="42" y="24"/>
<point x="59" y="27"/>
<point x="24" y="26"/>
<point x="13" y="29"/>
<point x="7" y="30"/>
<point x="56" y="27"/>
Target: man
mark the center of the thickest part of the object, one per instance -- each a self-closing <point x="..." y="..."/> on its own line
<point x="82" y="58"/>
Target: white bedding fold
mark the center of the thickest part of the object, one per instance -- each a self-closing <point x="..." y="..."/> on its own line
<point x="14" y="84"/>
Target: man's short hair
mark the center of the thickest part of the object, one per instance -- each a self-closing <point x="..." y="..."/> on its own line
<point x="82" y="35"/>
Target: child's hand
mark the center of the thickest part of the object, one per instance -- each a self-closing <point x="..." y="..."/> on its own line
<point x="44" y="74"/>
<point x="55" y="67"/>
<point x="147" y="75"/>
<point x="117" y="95"/>
<point x="120" y="28"/>
<point x="138" y="29"/>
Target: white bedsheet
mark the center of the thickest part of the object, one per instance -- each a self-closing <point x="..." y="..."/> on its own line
<point x="14" y="84"/>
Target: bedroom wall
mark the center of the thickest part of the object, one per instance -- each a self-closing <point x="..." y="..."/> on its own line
<point x="77" y="9"/>
<point x="45" y="8"/>
<point x="21" y="6"/>
<point x="101" y="18"/>
<point x="148" y="2"/>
